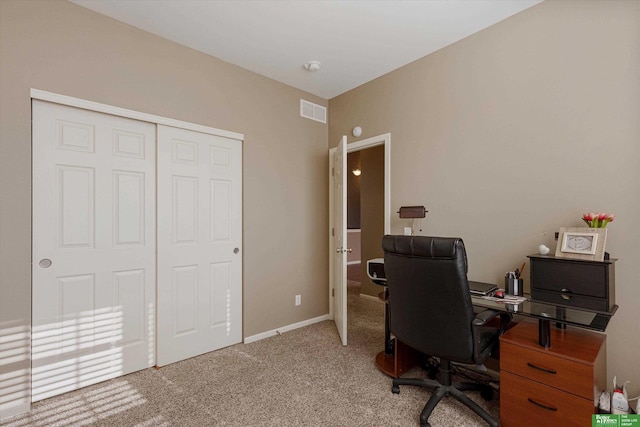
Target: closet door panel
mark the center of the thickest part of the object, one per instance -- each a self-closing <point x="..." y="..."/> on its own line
<point x="93" y="247"/>
<point x="199" y="243"/>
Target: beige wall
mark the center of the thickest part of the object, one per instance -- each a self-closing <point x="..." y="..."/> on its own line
<point x="516" y="131"/>
<point x="353" y="190"/>
<point x="63" y="48"/>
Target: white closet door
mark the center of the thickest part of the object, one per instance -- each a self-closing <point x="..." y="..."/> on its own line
<point x="93" y="247"/>
<point x="199" y="243"/>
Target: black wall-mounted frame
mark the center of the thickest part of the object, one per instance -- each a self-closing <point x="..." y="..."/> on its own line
<point x="412" y="212"/>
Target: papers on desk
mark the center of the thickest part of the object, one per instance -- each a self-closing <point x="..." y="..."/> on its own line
<point x="508" y="299"/>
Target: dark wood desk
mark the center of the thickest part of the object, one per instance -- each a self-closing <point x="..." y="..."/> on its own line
<point x="398" y="358"/>
<point x="400" y="361"/>
<point x="546" y="313"/>
<point x="550" y="386"/>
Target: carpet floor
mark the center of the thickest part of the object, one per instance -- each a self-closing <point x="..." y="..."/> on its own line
<point x="304" y="377"/>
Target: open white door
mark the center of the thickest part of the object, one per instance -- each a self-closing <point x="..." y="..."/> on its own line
<point x="338" y="213"/>
<point x="340" y="239"/>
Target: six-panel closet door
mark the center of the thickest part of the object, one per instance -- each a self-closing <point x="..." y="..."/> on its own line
<point x="94" y="243"/>
<point x="199" y="243"/>
<point x="114" y="291"/>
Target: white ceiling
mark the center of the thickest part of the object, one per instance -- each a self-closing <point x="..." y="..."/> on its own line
<point x="354" y="40"/>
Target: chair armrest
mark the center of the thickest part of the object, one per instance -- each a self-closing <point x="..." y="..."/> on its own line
<point x="480" y="352"/>
<point x="484" y="316"/>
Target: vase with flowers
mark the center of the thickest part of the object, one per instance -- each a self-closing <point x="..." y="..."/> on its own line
<point x="597" y="220"/>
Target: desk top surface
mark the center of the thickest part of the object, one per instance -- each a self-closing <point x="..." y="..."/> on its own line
<point x="579" y="317"/>
<point x="582" y="318"/>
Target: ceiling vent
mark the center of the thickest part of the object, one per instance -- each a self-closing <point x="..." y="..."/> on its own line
<point x="313" y="111"/>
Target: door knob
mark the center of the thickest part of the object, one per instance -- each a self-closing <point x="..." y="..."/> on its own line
<point x="45" y="263"/>
<point x="236" y="250"/>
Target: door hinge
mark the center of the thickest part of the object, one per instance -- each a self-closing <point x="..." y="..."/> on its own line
<point x="333" y="171"/>
<point x="333" y="292"/>
<point x="333" y="232"/>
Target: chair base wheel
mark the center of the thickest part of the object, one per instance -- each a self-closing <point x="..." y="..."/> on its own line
<point x="395" y="389"/>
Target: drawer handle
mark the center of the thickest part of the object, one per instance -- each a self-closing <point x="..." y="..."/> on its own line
<point x="548" y="371"/>
<point x="548" y="408"/>
<point x="566" y="294"/>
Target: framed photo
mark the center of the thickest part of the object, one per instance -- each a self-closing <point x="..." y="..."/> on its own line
<point x="579" y="243"/>
<point x="582" y="243"/>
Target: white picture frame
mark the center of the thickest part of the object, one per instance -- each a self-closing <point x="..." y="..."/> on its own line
<point x="581" y="243"/>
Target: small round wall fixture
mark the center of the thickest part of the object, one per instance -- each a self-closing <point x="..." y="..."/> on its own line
<point x="357" y="172"/>
<point x="312" y="66"/>
<point x="357" y="131"/>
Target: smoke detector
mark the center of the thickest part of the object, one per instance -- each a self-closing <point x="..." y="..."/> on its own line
<point x="312" y="66"/>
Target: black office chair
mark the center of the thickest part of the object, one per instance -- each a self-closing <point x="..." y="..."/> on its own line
<point x="431" y="311"/>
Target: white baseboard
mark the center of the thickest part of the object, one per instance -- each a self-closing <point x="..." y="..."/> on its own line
<point x="11" y="409"/>
<point x="370" y="297"/>
<point x="283" y="329"/>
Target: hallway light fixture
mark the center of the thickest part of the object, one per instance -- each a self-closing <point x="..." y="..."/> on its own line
<point x="357" y="172"/>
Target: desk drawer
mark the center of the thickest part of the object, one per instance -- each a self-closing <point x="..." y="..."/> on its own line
<point x="564" y="374"/>
<point x="527" y="403"/>
<point x="582" y="277"/>
<point x="586" y="284"/>
<point x="572" y="300"/>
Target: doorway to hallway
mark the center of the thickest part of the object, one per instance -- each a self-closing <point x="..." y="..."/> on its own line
<point x="365" y="213"/>
<point x="379" y="186"/>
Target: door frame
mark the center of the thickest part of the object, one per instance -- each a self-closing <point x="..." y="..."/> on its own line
<point x="131" y="114"/>
<point x="384" y="139"/>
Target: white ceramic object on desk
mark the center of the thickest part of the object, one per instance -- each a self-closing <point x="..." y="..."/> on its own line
<point x="543" y="250"/>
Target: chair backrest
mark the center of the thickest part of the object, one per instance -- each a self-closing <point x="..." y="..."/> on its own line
<point x="430" y="304"/>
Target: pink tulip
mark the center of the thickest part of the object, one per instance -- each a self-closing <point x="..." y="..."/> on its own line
<point x="597" y="220"/>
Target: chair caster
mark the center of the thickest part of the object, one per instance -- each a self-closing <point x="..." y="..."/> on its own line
<point x="395" y="389"/>
<point x="487" y="393"/>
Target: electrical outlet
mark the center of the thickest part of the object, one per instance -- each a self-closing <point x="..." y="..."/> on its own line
<point x="298" y="299"/>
